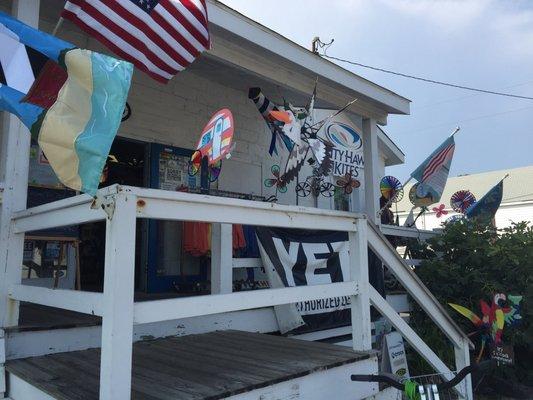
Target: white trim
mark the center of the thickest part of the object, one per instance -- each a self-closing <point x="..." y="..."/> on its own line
<point x="247" y="263"/>
<point x="403" y="231"/>
<point x="164" y="310"/>
<point x="250" y="31"/>
<point x="83" y="302"/>
<point x="19" y="389"/>
<point x="409" y="334"/>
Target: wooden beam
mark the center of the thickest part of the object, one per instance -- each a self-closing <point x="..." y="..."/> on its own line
<point x="247" y="263"/>
<point x="361" y="324"/>
<point x="73" y="300"/>
<point x="409" y="334"/>
<point x="414" y="286"/>
<point x="117" y="321"/>
<point x="371" y="179"/>
<point x="159" y="204"/>
<point x="164" y="310"/>
<point x="221" y="259"/>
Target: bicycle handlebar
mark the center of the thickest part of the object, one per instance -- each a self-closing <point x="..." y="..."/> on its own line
<point x="443" y="386"/>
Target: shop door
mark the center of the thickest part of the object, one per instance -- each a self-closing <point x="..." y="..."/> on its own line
<point x="169" y="268"/>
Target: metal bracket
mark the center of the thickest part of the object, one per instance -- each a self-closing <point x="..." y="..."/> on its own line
<point x="105" y="203"/>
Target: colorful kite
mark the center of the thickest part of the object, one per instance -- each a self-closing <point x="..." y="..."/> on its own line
<point x="215" y="144"/>
<point x="419" y="197"/>
<point x="348" y="183"/>
<point x="70" y="99"/>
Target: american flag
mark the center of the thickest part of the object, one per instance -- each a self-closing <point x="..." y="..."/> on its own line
<point x="433" y="172"/>
<point x="161" y="37"/>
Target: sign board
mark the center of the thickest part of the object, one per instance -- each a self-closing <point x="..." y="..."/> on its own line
<point x="503" y="354"/>
<point x="394" y="356"/>
<point x="305" y="258"/>
<point x="347" y="139"/>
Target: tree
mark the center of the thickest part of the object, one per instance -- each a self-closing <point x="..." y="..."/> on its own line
<point x="471" y="261"/>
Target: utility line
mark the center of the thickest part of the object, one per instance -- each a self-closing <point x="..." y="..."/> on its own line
<point x="429" y="80"/>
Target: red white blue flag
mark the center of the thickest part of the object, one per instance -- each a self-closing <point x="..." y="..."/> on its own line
<point x="433" y="172"/>
<point x="160" y="37"/>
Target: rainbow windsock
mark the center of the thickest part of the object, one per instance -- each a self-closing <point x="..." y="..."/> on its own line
<point x="70" y="99"/>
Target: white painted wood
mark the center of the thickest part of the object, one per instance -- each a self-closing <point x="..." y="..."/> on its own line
<point x="159" y="204"/>
<point x="371" y="178"/>
<point x="414" y="286"/>
<point x="14" y="166"/>
<point x="19" y="389"/>
<point x="221" y="259"/>
<point x="332" y="384"/>
<point x="325" y="334"/>
<point x="247" y="263"/>
<point x="164" y="310"/>
<point x="72" y="211"/>
<point x="361" y="326"/>
<point x="403" y="231"/>
<point x="23" y="344"/>
<point x="2" y="363"/>
<point x="409" y="334"/>
<point x="83" y="302"/>
<point x="400" y="302"/>
<point x="462" y="360"/>
<point x="261" y="36"/>
<point x="117" y="324"/>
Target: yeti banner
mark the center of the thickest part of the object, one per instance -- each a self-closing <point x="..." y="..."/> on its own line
<point x="299" y="258"/>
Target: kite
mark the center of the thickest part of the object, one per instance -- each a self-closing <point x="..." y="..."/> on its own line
<point x="214" y="145"/>
<point x="296" y="128"/>
<point x="348" y="183"/>
<point x="419" y="197"/>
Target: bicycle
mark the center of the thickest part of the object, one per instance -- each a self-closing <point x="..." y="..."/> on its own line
<point x="415" y="391"/>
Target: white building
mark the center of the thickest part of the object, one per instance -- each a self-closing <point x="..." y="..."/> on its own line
<point x="132" y="289"/>
<point x="516" y="206"/>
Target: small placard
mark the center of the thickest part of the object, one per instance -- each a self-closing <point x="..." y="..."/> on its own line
<point x="503" y="354"/>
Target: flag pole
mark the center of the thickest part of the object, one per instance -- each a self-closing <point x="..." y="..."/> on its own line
<point x="58" y="25"/>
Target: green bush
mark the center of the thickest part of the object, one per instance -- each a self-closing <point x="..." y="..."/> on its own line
<point x="470" y="262"/>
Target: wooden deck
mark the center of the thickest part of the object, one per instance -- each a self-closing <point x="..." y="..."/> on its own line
<point x="211" y="366"/>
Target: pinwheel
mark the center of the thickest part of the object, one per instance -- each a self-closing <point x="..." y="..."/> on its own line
<point x="391" y="189"/>
<point x="440" y="211"/>
<point x="494" y="317"/>
<point x="276" y="182"/>
<point x="462" y="200"/>
<point x="348" y="183"/>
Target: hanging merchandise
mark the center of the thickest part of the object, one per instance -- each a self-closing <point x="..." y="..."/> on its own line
<point x="297" y="129"/>
<point x="348" y="183"/>
<point x="486" y="208"/>
<point x="316" y="185"/>
<point x="276" y="181"/>
<point x="418" y="198"/>
<point x="462" y="200"/>
<point x="214" y="145"/>
<point x="440" y="211"/>
<point x="70" y="99"/>
<point x="504" y="309"/>
<point x="391" y="189"/>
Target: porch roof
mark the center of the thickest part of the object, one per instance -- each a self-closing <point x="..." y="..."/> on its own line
<point x="242" y="41"/>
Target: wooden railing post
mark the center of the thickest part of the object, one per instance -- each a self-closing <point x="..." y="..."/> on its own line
<point x="361" y="329"/>
<point x="221" y="259"/>
<point x="117" y="320"/>
<point x="462" y="359"/>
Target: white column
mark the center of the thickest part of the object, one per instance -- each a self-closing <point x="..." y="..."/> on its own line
<point x="462" y="359"/>
<point x="371" y="157"/>
<point x="117" y="322"/>
<point x="221" y="258"/>
<point x="2" y="362"/>
<point x="14" y="164"/>
<point x="361" y="325"/>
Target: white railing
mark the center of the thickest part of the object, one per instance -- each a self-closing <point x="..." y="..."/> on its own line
<point x="121" y="206"/>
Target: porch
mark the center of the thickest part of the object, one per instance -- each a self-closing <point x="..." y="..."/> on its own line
<point x="121" y="206"/>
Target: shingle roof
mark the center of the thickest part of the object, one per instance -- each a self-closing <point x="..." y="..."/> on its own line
<point x="517" y="187"/>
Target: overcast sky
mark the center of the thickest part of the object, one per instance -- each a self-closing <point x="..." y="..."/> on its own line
<point x="481" y="43"/>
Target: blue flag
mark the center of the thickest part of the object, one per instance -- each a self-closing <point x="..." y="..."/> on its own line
<point x="485" y="209"/>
